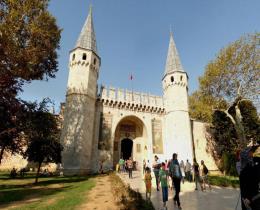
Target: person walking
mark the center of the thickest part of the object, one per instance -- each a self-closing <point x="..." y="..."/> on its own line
<point x="176" y="176"/>
<point x="163" y="179"/>
<point x="144" y="166"/>
<point x="156" y="169"/>
<point x="250" y="178"/>
<point x="121" y="165"/>
<point x="204" y="176"/>
<point x="182" y="166"/>
<point x="130" y="167"/>
<point x="196" y="174"/>
<point x="188" y="171"/>
<point x="148" y="183"/>
<point x="148" y="164"/>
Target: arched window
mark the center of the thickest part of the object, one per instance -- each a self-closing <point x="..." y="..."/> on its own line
<point x="84" y="56"/>
<point x="95" y="61"/>
<point x="172" y="79"/>
<point x="181" y="78"/>
<point x="73" y="57"/>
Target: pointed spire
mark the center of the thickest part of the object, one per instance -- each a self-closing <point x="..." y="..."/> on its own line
<point x="173" y="62"/>
<point x="87" y="37"/>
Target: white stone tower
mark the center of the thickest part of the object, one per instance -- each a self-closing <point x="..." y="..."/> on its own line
<point x="78" y="127"/>
<point x="178" y="137"/>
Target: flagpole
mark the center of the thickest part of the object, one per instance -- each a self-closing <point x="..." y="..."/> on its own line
<point x="131" y="78"/>
<point x="132" y="89"/>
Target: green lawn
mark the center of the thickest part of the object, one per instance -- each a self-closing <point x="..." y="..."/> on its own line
<point x="50" y="193"/>
<point x="224" y="181"/>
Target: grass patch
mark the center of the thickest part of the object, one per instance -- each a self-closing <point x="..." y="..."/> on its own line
<point x="50" y="193"/>
<point x="224" y="181"/>
<point x="127" y="198"/>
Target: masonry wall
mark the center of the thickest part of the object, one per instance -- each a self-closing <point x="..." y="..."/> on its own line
<point x="200" y="143"/>
<point x="9" y="161"/>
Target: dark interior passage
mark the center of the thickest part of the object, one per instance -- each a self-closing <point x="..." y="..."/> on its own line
<point x="126" y="148"/>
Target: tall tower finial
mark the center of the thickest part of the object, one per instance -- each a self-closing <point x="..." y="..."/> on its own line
<point x="173" y="62"/>
<point x="171" y="33"/>
<point x="87" y="37"/>
<point x="90" y="8"/>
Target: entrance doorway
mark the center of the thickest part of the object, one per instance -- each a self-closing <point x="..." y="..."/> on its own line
<point x="126" y="148"/>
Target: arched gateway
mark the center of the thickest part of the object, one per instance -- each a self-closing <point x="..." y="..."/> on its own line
<point x="101" y="125"/>
<point x="130" y="140"/>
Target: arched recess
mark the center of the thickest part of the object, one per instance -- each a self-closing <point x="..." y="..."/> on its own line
<point x="131" y="128"/>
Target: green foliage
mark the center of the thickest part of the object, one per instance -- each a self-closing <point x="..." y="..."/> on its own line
<point x="229" y="164"/>
<point x="250" y="120"/>
<point x="43" y="135"/>
<point x="11" y="115"/>
<point x="236" y="69"/>
<point x="225" y="134"/>
<point x="224" y="181"/>
<point x="63" y="192"/>
<point x="201" y="106"/>
<point x="29" y="38"/>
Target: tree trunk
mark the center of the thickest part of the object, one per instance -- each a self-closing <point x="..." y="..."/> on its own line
<point x="239" y="127"/>
<point x="1" y="154"/>
<point x="38" y="171"/>
<point x="237" y="122"/>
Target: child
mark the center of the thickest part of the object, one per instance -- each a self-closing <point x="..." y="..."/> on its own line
<point x="148" y="183"/>
<point x="204" y="176"/>
<point x="163" y="178"/>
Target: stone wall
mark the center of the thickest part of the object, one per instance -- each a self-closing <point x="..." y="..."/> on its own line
<point x="126" y="96"/>
<point x="200" y="143"/>
<point x="9" y="161"/>
<point x="18" y="162"/>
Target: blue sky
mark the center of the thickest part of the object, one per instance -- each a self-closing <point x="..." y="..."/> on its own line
<point x="133" y="37"/>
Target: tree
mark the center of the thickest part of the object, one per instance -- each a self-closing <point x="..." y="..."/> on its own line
<point x="29" y="39"/>
<point x="201" y="106"/>
<point x="43" y="135"/>
<point x="232" y="133"/>
<point x="235" y="69"/>
<point x="227" y="89"/>
<point x="235" y="72"/>
<point x="12" y="117"/>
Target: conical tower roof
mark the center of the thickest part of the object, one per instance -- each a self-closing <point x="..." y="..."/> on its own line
<point x="87" y="37"/>
<point x="173" y="62"/>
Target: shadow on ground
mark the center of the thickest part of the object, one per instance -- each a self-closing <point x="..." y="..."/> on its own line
<point x="15" y="190"/>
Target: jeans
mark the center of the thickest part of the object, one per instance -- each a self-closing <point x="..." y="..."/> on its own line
<point x="130" y="172"/>
<point x="165" y="194"/>
<point x="188" y="176"/>
<point x="196" y="179"/>
<point x="177" y="187"/>
<point x="156" y="174"/>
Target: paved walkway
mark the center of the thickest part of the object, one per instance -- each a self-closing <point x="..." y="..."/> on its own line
<point x="216" y="199"/>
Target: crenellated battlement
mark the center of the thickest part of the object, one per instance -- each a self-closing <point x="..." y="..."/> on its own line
<point x="123" y="98"/>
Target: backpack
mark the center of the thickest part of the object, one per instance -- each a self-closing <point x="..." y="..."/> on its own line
<point x="175" y="170"/>
<point x="205" y="170"/>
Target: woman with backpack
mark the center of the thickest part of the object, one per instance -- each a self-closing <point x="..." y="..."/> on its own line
<point x="175" y="173"/>
<point x="204" y="176"/>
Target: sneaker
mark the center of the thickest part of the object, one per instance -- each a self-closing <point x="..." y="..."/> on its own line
<point x="179" y="207"/>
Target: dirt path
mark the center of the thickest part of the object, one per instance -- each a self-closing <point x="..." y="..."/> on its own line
<point x="101" y="196"/>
